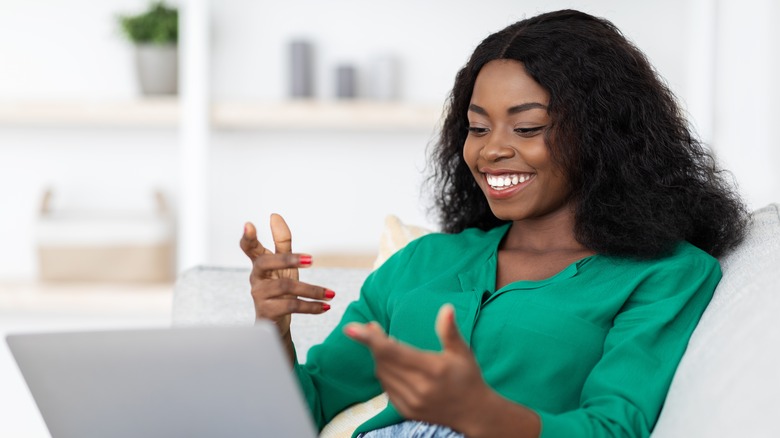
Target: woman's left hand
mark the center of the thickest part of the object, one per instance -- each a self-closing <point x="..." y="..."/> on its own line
<point x="443" y="388"/>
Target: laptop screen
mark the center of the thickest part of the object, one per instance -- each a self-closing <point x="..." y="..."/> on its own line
<point x="178" y="382"/>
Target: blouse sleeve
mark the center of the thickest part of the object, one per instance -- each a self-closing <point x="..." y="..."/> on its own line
<point x="623" y="394"/>
<point x="340" y="372"/>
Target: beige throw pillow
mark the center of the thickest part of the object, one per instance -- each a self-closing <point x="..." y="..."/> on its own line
<point x="345" y="423"/>
<point x="395" y="236"/>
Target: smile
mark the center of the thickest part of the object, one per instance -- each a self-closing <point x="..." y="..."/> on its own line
<point x="507" y="180"/>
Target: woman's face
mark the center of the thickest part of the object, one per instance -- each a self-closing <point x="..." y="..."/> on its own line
<point x="505" y="148"/>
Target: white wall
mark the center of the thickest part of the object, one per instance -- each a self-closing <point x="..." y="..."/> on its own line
<point x="334" y="194"/>
<point x="53" y="49"/>
<point x="335" y="187"/>
<point x="746" y="116"/>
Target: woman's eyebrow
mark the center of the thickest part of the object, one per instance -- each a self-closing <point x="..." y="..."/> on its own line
<point x="512" y="110"/>
<point x="525" y="107"/>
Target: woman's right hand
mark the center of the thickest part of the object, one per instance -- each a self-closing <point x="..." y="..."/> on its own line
<point x="276" y="291"/>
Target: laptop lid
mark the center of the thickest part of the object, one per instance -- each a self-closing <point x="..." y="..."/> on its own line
<point x="174" y="382"/>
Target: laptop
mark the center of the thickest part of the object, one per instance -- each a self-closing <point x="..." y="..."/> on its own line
<point x="168" y="382"/>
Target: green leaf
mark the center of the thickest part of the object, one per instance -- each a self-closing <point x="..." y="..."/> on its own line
<point x="158" y="25"/>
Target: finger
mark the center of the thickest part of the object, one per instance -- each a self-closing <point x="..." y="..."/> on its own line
<point x="249" y="243"/>
<point x="391" y="374"/>
<point x="281" y="234"/>
<point x="405" y="386"/>
<point x="447" y="330"/>
<point x="401" y="391"/>
<point x="289" y="288"/>
<point x="386" y="349"/>
<point x="370" y="334"/>
<point x="270" y="262"/>
<point x="273" y="309"/>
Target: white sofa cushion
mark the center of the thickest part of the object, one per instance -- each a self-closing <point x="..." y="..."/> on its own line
<point x="728" y="382"/>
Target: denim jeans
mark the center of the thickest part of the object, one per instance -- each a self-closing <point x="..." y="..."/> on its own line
<point x="412" y="429"/>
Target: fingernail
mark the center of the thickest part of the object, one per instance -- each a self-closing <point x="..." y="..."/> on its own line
<point x="304" y="260"/>
<point x="351" y="331"/>
<point x="245" y="228"/>
<point x="329" y="294"/>
<point x="325" y="307"/>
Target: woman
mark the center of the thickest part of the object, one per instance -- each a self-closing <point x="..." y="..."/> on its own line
<point x="582" y="219"/>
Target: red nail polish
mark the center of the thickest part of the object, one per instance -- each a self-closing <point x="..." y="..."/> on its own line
<point x="350" y="331"/>
<point x="329" y="293"/>
<point x="304" y="260"/>
<point x="325" y="307"/>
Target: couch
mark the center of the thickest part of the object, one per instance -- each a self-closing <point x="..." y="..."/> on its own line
<point x="727" y="384"/>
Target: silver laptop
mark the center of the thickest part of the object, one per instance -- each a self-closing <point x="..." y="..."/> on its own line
<point x="178" y="382"/>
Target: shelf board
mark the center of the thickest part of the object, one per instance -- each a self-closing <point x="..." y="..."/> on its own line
<point x="160" y="112"/>
<point x="85" y="298"/>
<point x="346" y="116"/>
<point x="164" y="113"/>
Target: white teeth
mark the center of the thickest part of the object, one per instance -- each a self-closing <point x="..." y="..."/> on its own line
<point x="509" y="180"/>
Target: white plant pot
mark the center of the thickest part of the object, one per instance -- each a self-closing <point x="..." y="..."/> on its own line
<point x="157" y="68"/>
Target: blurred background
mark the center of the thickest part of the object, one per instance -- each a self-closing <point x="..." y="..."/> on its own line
<point x="234" y="144"/>
<point x="320" y="111"/>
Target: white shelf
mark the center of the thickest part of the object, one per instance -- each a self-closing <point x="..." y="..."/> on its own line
<point x="316" y="115"/>
<point x="148" y="112"/>
<point x="164" y="113"/>
<point x="77" y="299"/>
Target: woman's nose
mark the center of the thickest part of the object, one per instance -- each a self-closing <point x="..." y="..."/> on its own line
<point x="497" y="147"/>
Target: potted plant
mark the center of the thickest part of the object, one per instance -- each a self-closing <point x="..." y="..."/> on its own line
<point x="155" y="34"/>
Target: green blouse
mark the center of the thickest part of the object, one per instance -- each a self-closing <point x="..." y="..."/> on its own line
<point x="592" y="349"/>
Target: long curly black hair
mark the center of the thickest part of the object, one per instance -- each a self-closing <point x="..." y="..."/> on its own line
<point x="640" y="179"/>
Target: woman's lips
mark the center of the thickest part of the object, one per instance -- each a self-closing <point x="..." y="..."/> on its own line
<point x="504" y="185"/>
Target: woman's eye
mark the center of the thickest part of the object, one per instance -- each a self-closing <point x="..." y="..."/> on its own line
<point x="475" y="130"/>
<point x="528" y="132"/>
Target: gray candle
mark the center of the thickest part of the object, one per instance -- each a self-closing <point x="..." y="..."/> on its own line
<point x="301" y="69"/>
<point x="346" y="82"/>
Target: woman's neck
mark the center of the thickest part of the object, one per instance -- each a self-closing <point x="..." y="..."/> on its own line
<point x="551" y="233"/>
<point x="536" y="249"/>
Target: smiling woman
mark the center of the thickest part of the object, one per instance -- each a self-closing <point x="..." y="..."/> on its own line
<point x="581" y="218"/>
<point x="506" y="144"/>
<point x="633" y="166"/>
